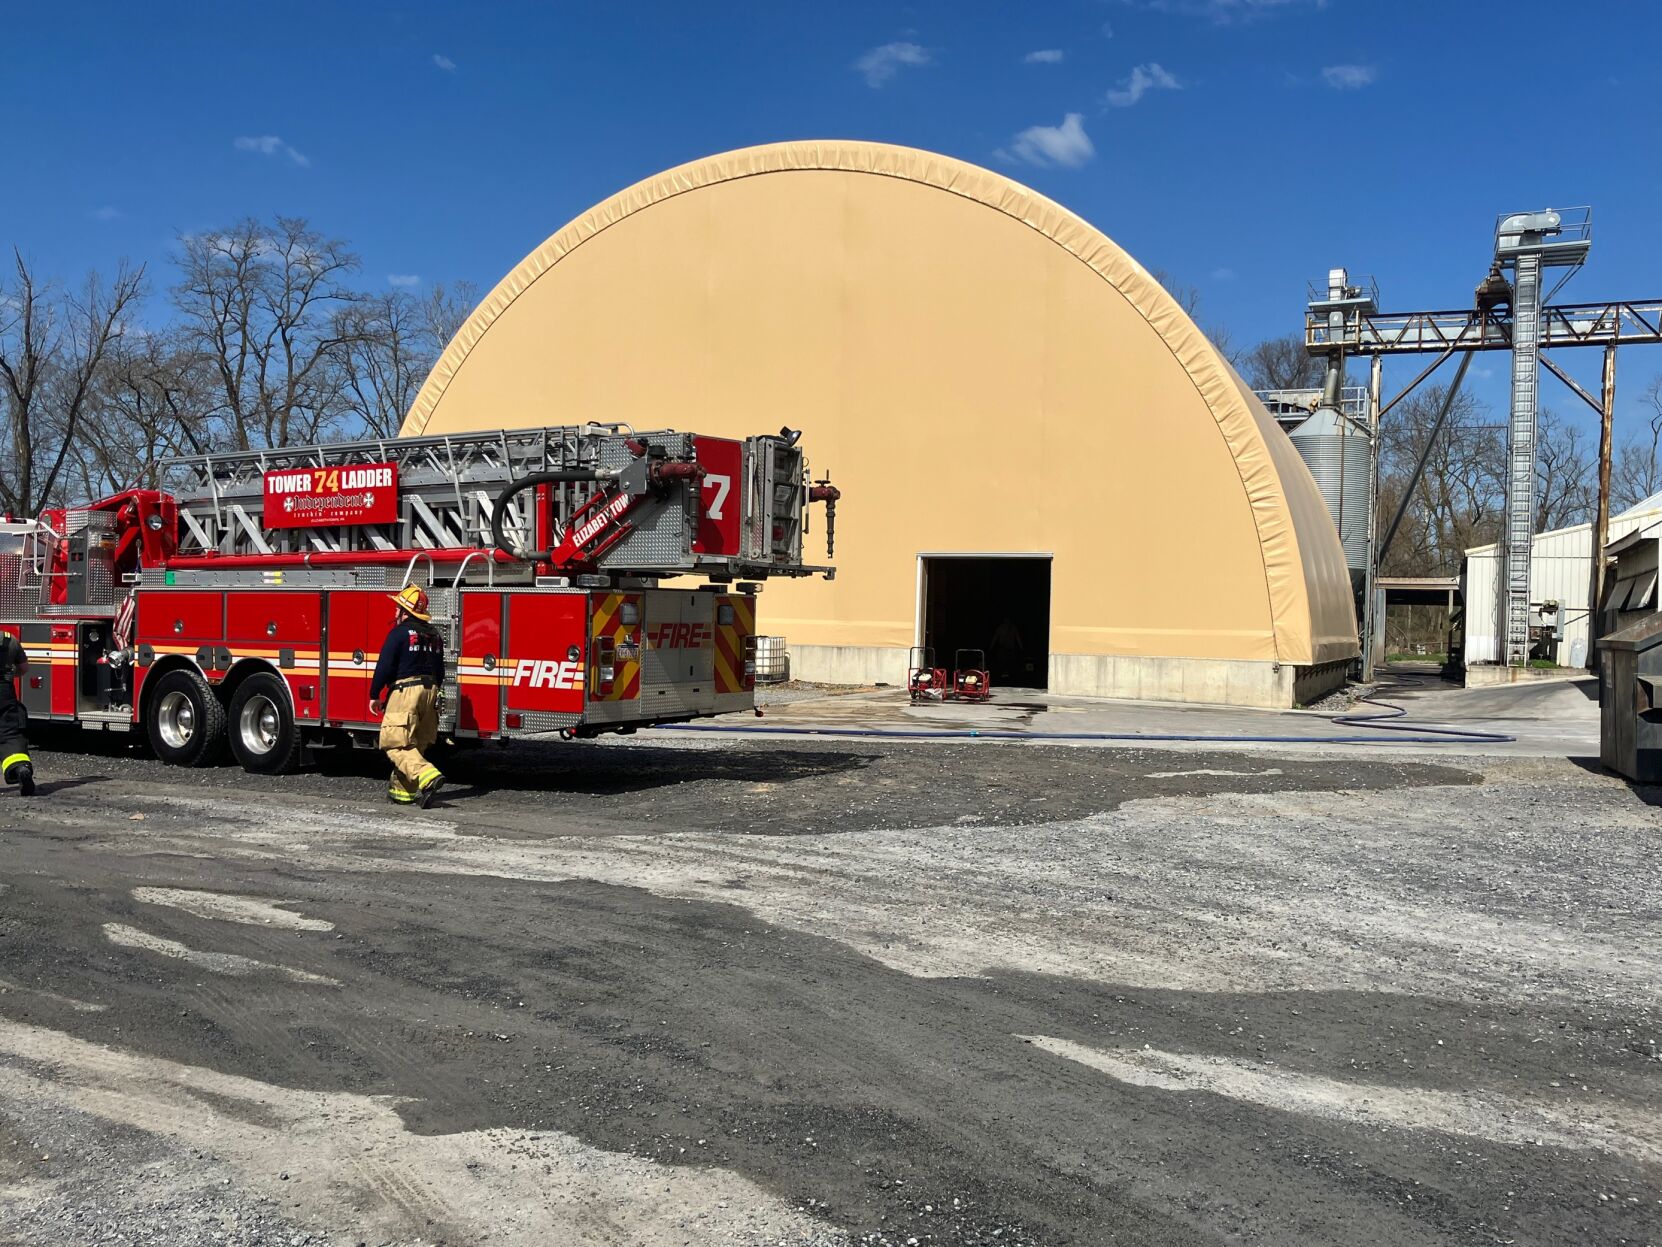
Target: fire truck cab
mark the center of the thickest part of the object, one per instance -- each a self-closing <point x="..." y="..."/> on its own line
<point x="586" y="579"/>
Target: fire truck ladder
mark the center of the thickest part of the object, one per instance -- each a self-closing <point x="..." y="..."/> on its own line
<point x="447" y="486"/>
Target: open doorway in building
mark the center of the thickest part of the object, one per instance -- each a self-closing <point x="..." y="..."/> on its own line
<point x="998" y="603"/>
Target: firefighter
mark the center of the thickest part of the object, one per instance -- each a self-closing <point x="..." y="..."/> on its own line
<point x="405" y="693"/>
<point x="15" y="766"/>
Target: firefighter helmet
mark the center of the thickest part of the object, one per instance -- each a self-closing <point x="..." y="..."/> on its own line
<point x="413" y="600"/>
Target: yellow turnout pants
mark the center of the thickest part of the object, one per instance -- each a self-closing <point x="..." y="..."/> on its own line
<point x="410" y="725"/>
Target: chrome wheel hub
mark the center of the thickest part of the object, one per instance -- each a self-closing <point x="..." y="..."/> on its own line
<point x="176" y="719"/>
<point x="259" y="724"/>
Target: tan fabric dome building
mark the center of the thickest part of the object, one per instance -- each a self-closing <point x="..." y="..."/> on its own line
<point x="1041" y="456"/>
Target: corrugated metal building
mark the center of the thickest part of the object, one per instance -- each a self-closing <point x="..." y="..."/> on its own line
<point x="1041" y="455"/>
<point x="1561" y="571"/>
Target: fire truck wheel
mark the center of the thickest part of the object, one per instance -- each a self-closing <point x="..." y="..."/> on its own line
<point x="184" y="720"/>
<point x="264" y="738"/>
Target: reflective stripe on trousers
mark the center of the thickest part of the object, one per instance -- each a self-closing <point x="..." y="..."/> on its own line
<point x="410" y="725"/>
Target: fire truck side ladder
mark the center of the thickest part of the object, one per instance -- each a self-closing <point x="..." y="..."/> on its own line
<point x="446" y="487"/>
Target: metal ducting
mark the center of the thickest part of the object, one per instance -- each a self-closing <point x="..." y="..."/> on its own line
<point x="1336" y="452"/>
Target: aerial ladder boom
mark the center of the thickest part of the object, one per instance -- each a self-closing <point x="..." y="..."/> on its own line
<point x="594" y="499"/>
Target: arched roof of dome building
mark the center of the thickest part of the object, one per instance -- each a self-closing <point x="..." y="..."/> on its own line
<point x="905" y="307"/>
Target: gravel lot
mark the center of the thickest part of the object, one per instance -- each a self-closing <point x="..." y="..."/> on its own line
<point x="682" y="991"/>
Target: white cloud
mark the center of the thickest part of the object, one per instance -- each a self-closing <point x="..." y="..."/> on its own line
<point x="403" y="280"/>
<point x="1349" y="77"/>
<point x="1066" y="145"/>
<point x="444" y="63"/>
<point x="881" y="64"/>
<point x="1223" y="274"/>
<point x="1045" y="56"/>
<point x="1143" y="79"/>
<point x="1107" y="30"/>
<point x="270" y="145"/>
<point x="106" y="213"/>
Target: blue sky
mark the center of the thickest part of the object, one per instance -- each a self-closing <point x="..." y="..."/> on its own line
<point x="1243" y="146"/>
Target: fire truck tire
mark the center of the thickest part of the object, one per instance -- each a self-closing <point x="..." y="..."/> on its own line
<point x="184" y="720"/>
<point x="264" y="736"/>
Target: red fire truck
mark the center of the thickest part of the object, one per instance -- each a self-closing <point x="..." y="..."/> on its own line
<point x="587" y="579"/>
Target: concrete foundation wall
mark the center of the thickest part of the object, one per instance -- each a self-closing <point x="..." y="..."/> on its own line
<point x="1493" y="675"/>
<point x="848" y="664"/>
<point x="1310" y="683"/>
<point x="1213" y="681"/>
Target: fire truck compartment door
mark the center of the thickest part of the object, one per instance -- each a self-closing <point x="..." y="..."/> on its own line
<point x="359" y="621"/>
<point x="678" y="662"/>
<point x="479" y="668"/>
<point x="35" y="688"/>
<point x="180" y="619"/>
<point x="544" y="642"/>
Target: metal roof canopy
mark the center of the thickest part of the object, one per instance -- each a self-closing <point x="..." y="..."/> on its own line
<point x="1418" y="590"/>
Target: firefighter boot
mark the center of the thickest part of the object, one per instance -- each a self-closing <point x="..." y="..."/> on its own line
<point x="22" y="773"/>
<point x="430" y="781"/>
<point x="401" y="791"/>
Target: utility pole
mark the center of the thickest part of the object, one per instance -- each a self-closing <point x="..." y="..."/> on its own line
<point x="1370" y="608"/>
<point x="1601" y="521"/>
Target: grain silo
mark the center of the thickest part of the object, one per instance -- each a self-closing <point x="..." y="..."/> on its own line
<point x="1033" y="440"/>
<point x="1336" y="452"/>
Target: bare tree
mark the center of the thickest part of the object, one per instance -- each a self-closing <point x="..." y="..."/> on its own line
<point x="1565" y="486"/>
<point x="52" y="347"/>
<point x="445" y="310"/>
<point x="383" y="360"/>
<point x="1458" y="501"/>
<point x="261" y="303"/>
<point x="157" y="399"/>
<point x="1282" y="364"/>
<point x="389" y="343"/>
<point x="1188" y="298"/>
<point x="1636" y="473"/>
<point x="1186" y="294"/>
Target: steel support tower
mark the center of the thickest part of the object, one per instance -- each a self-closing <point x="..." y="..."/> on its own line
<point x="1531" y="242"/>
<point x="1520" y="320"/>
<point x="1520" y="456"/>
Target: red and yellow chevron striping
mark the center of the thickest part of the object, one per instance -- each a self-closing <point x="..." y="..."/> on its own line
<point x="606" y="623"/>
<point x="731" y="642"/>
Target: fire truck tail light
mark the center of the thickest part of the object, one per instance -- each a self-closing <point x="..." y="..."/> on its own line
<point x="605" y="654"/>
<point x="516" y="720"/>
<point x="628" y="615"/>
